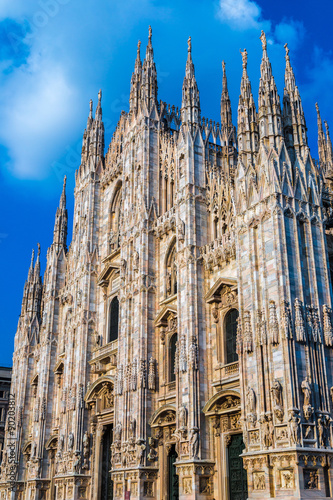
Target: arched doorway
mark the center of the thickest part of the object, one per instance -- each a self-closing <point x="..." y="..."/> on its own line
<point x="173" y="493"/>
<point x="106" y="482"/>
<point x="224" y="411"/>
<point x="237" y="474"/>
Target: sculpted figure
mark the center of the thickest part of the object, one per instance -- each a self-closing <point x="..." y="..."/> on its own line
<point x="141" y="454"/>
<point x="294" y="421"/>
<point x="251" y="400"/>
<point x="194" y="442"/>
<point x="182" y="417"/>
<point x="86" y="442"/>
<point x="132" y="427"/>
<point x="70" y="441"/>
<point x="276" y="391"/>
<point x="306" y="391"/>
<point x="118" y="431"/>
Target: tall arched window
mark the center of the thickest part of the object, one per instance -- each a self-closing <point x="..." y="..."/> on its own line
<point x="114" y="219"/>
<point x="172" y="272"/>
<point x="230" y="325"/>
<point x="114" y="319"/>
<point x="172" y="357"/>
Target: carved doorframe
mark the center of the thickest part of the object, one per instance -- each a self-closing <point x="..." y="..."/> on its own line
<point x="163" y="424"/>
<point x="224" y="413"/>
<point x="100" y="400"/>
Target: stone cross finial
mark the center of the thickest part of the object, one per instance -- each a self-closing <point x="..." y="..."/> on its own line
<point x="263" y="40"/>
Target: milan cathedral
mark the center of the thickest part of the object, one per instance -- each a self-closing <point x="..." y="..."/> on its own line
<point x="182" y="346"/>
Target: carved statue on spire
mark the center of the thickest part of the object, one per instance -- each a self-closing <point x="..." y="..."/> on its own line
<point x="244" y="57"/>
<point x="263" y="40"/>
<point x="287" y="51"/>
<point x="189" y="44"/>
<point x="149" y="33"/>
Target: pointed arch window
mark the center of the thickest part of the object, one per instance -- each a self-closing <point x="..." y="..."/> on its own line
<point x="114" y="319"/>
<point x="172" y="357"/>
<point x="230" y="327"/>
<point x="115" y="220"/>
<point x="172" y="272"/>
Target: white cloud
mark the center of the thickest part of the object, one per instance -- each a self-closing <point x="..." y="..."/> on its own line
<point x="52" y="63"/>
<point x="240" y="14"/>
<point x="37" y="119"/>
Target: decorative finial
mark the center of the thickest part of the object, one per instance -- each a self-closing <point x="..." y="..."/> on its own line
<point x="189" y="44"/>
<point x="263" y="40"/>
<point x="99" y="96"/>
<point x="32" y="257"/>
<point x="326" y="127"/>
<point x="244" y="57"/>
<point x="38" y="246"/>
<point x="149" y="33"/>
<point x="287" y="51"/>
<point x="139" y="45"/>
<point x="223" y="66"/>
<point x="91" y="105"/>
<point x="317" y="107"/>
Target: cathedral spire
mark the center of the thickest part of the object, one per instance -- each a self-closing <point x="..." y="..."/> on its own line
<point x="135" y="92"/>
<point x="329" y="153"/>
<point x="31" y="268"/>
<point x="294" y="125"/>
<point x="32" y="293"/>
<point x="98" y="113"/>
<point x="247" y="133"/>
<point x="61" y="221"/>
<point x="90" y="117"/>
<point x="228" y="130"/>
<point x="321" y="140"/>
<point x="149" y="76"/>
<point x="269" y="110"/>
<point x="190" y="99"/>
<point x="37" y="265"/>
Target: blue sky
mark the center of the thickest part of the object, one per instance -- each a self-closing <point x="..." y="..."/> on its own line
<point x="56" y="54"/>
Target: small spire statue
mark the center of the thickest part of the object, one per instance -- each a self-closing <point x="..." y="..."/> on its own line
<point x="138" y="49"/>
<point x="100" y="95"/>
<point x="149" y="34"/>
<point x="244" y="57"/>
<point x="287" y="51"/>
<point x="189" y="44"/>
<point x="263" y="40"/>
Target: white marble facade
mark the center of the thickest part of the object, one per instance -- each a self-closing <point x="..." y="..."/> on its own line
<point x="189" y="321"/>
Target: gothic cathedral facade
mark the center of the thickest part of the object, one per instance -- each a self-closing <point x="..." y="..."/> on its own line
<point x="182" y="346"/>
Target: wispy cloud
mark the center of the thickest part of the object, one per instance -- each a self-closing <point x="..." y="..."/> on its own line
<point x="239" y="14"/>
<point x="48" y="62"/>
<point x="246" y="15"/>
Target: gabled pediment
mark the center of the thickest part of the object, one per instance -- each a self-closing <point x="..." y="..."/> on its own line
<point x="214" y="294"/>
<point x="164" y="315"/>
<point x="111" y="263"/>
